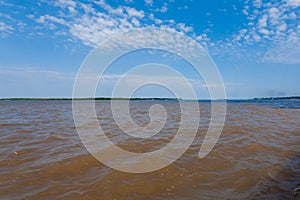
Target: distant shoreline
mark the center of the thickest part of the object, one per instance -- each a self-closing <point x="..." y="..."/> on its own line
<point x="97" y="99"/>
<point x="149" y="98"/>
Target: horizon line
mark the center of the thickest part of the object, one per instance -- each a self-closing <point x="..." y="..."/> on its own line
<point x="146" y="98"/>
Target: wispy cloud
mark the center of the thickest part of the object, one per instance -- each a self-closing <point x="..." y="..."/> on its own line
<point x="271" y="26"/>
<point x="93" y="26"/>
<point x="163" y="9"/>
<point x="48" y="18"/>
<point x="149" y="2"/>
<point x="5" y="29"/>
<point x="274" y="26"/>
<point x="293" y="3"/>
<point x="28" y="72"/>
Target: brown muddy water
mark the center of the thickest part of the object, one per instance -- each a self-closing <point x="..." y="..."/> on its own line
<point x="256" y="157"/>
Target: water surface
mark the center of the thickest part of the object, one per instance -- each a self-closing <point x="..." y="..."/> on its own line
<point x="256" y="157"/>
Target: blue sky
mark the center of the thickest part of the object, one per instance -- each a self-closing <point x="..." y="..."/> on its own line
<point x="255" y="44"/>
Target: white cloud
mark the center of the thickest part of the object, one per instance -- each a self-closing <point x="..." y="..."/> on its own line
<point x="274" y="15"/>
<point x="6" y="28"/>
<point x="135" y="22"/>
<point x="269" y="24"/>
<point x="273" y="27"/>
<point x="45" y="18"/>
<point x="257" y="3"/>
<point x="245" y="11"/>
<point x="93" y="26"/>
<point x="264" y="31"/>
<point x="240" y="35"/>
<point x="293" y="3"/>
<point x="87" y="8"/>
<point x="65" y="3"/>
<point x="256" y="37"/>
<point x="282" y="27"/>
<point x="151" y="16"/>
<point x="292" y="16"/>
<point x="6" y="4"/>
<point x="203" y="39"/>
<point x="132" y="12"/>
<point x="72" y="9"/>
<point x="262" y="22"/>
<point x="149" y="2"/>
<point x="163" y="9"/>
<point x="70" y="5"/>
<point x="158" y="21"/>
<point x="184" y="28"/>
<point x="115" y="11"/>
<point x="85" y="22"/>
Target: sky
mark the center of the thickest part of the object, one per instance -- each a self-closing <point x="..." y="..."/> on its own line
<point x="254" y="44"/>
